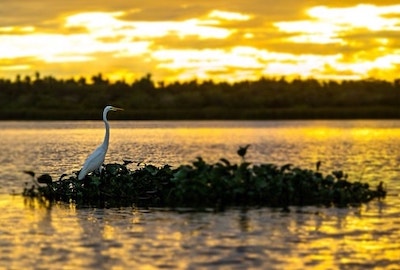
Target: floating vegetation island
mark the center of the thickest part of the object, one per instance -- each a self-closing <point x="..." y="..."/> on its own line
<point x="200" y="184"/>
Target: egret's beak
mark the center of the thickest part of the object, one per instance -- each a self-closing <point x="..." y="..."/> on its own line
<point x="117" y="109"/>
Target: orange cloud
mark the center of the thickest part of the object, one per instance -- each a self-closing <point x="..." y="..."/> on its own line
<point x="202" y="40"/>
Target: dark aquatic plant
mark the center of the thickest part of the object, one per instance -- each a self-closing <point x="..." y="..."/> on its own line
<point x="201" y="184"/>
<point x="242" y="151"/>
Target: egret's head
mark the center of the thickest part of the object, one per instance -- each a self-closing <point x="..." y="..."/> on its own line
<point x="112" y="108"/>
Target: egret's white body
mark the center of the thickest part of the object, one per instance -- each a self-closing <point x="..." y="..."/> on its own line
<point x="96" y="159"/>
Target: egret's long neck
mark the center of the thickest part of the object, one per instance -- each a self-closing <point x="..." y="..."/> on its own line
<point x="107" y="135"/>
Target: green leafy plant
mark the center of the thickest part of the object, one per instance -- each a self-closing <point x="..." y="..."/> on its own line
<point x="201" y="184"/>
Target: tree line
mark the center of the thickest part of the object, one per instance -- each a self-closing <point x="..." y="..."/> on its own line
<point x="48" y="98"/>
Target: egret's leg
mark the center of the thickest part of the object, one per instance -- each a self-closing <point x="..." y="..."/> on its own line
<point x="101" y="172"/>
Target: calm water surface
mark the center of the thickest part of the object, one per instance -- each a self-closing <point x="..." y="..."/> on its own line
<point x="63" y="237"/>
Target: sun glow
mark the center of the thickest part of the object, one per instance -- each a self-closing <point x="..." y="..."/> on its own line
<point x="362" y="16"/>
<point x="325" y="42"/>
<point x="330" y="25"/>
<point x="231" y="16"/>
<point x="108" y="25"/>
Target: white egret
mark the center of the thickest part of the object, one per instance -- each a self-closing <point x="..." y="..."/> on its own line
<point x="96" y="159"/>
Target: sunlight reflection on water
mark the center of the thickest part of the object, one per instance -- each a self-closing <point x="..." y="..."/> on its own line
<point x="131" y="238"/>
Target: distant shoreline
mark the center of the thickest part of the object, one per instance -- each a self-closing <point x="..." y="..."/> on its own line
<point x="212" y="114"/>
<point x="268" y="98"/>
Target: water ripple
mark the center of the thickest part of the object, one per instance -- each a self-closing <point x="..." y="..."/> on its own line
<point x="363" y="237"/>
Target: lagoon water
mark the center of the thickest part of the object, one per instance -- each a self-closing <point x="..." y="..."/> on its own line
<point x="62" y="236"/>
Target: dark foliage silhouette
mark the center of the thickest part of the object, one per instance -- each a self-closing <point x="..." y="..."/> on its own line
<point x="201" y="184"/>
<point x="39" y="97"/>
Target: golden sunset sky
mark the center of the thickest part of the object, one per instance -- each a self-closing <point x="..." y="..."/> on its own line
<point x="183" y="40"/>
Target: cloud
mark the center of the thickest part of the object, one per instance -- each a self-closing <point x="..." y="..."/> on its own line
<point x="327" y="25"/>
<point x="206" y="39"/>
